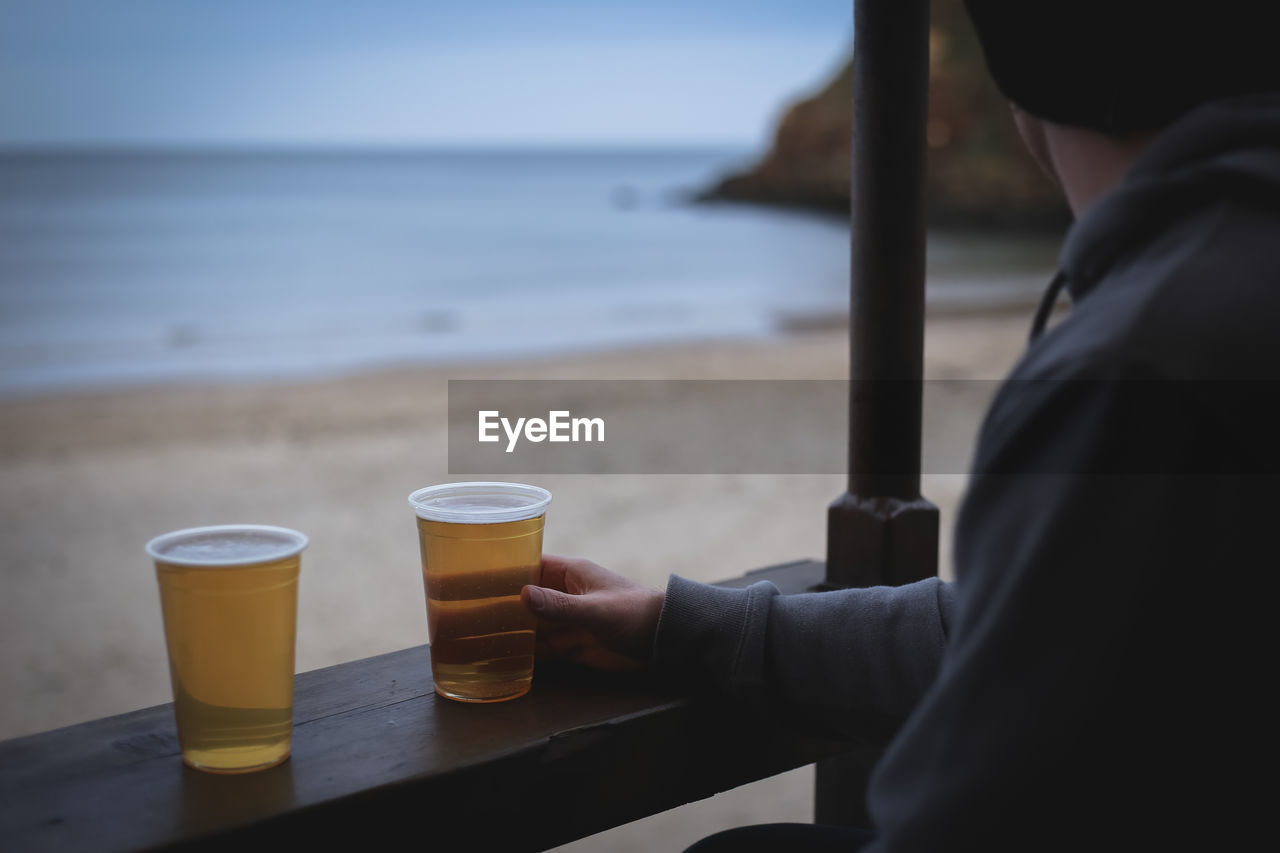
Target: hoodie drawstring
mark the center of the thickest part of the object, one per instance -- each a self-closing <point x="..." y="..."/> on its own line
<point x="1046" y="305"/>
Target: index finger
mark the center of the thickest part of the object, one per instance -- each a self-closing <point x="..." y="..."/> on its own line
<point x="553" y="571"/>
<point x="556" y="571"/>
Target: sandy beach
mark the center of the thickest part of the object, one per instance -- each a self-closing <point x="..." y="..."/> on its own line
<point x="88" y="478"/>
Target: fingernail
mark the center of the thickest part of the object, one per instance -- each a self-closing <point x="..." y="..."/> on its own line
<point x="536" y="597"/>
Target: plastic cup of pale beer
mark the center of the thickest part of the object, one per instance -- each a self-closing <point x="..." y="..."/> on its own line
<point x="230" y="601"/>
<point x="481" y="543"/>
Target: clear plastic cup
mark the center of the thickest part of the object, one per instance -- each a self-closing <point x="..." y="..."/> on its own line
<point x="481" y="543"/>
<point x="230" y="601"/>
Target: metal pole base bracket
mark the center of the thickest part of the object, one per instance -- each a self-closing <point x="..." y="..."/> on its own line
<point x="880" y="541"/>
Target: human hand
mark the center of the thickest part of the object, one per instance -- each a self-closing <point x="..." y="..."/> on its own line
<point x="589" y="615"/>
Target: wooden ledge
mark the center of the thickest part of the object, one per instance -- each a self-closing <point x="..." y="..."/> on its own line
<point x="377" y="755"/>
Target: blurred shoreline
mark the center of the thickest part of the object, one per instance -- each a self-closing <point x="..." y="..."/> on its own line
<point x="133" y="268"/>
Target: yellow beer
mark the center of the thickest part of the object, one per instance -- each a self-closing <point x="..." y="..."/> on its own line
<point x="481" y="543"/>
<point x="230" y="598"/>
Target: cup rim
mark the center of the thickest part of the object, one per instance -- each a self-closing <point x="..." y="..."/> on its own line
<point x="286" y="550"/>
<point x="538" y="497"/>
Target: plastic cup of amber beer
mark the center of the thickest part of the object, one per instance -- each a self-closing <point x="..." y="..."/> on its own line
<point x="230" y="600"/>
<point x="481" y="543"/>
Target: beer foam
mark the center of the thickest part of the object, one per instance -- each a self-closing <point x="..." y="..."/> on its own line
<point x="227" y="545"/>
<point x="480" y="503"/>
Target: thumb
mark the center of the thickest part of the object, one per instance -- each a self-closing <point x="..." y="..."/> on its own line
<point x="559" y="606"/>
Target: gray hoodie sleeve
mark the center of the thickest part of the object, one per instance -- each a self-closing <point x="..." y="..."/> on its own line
<point x="872" y="649"/>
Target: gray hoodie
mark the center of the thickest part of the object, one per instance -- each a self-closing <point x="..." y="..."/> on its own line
<point x="1099" y="675"/>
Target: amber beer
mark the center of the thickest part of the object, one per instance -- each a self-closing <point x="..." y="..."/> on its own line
<point x="230" y="599"/>
<point x="481" y="543"/>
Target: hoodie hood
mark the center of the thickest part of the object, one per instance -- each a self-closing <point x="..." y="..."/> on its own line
<point x="1227" y="150"/>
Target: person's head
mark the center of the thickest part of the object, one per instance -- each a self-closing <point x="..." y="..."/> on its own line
<point x="1093" y="81"/>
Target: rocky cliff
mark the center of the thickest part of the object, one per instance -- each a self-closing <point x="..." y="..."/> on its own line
<point x="978" y="172"/>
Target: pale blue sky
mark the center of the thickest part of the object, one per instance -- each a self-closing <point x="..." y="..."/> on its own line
<point x="397" y="72"/>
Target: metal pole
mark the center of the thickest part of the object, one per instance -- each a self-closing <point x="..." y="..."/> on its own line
<point x="890" y="100"/>
<point x="882" y="531"/>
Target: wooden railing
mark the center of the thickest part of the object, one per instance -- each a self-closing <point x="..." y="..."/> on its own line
<point x="377" y="755"/>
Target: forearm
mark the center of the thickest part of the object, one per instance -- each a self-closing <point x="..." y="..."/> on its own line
<point x="820" y="654"/>
<point x="871" y="649"/>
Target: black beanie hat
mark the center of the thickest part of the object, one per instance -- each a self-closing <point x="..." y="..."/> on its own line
<point x="1121" y="66"/>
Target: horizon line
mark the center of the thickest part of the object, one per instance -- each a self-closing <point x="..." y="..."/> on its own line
<point x="461" y="146"/>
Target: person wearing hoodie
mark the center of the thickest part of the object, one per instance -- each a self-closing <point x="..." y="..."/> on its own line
<point x="1098" y="675"/>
